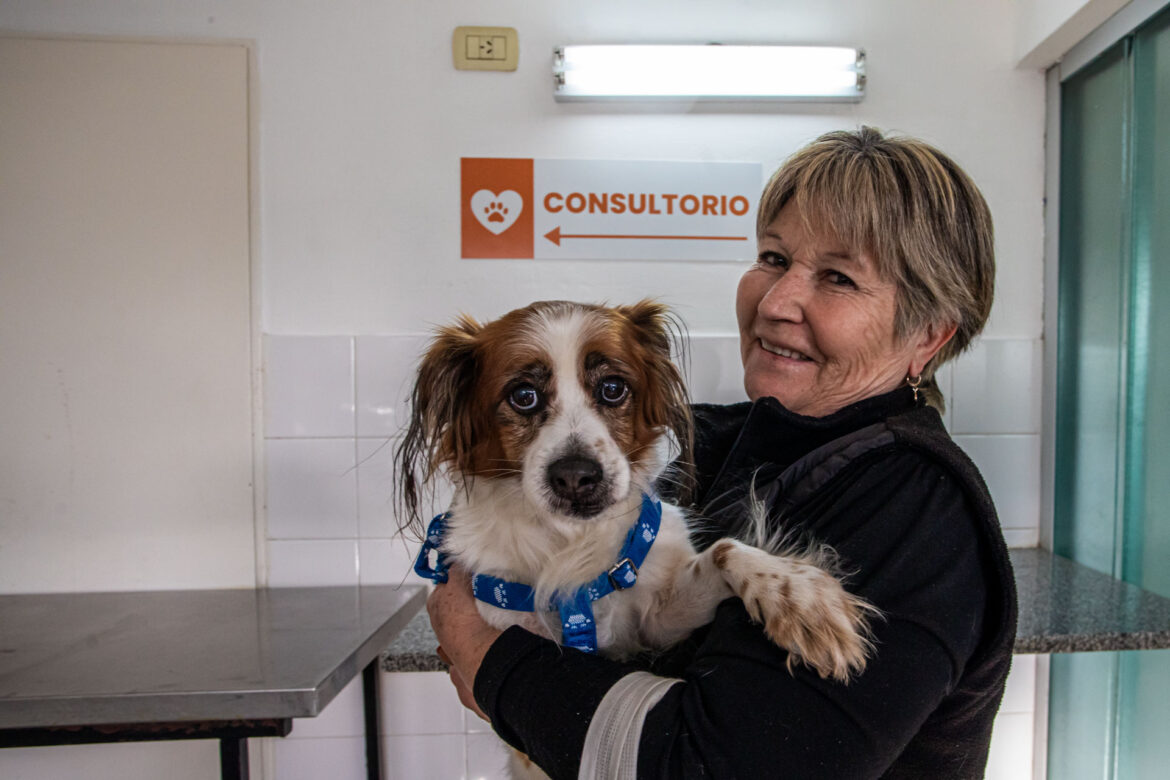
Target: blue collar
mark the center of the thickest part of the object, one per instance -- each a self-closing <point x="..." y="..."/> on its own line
<point x="578" y="628"/>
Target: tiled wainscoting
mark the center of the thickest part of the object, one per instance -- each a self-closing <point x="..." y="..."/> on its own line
<point x="428" y="734"/>
<point x="333" y="404"/>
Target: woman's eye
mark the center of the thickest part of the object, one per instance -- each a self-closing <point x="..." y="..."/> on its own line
<point x="840" y="279"/>
<point x="773" y="259"/>
<point x="612" y="390"/>
<point x="524" y="399"/>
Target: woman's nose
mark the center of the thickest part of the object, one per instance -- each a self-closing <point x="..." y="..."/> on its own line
<point x="786" y="298"/>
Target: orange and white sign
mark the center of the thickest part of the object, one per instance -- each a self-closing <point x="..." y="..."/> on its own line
<point x="608" y="210"/>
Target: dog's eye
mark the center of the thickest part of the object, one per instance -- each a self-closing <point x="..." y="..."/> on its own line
<point x="612" y="390"/>
<point x="524" y="399"/>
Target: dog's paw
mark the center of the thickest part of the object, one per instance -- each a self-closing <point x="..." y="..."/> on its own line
<point x="521" y="767"/>
<point x="802" y="608"/>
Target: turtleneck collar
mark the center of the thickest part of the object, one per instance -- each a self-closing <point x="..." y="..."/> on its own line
<point x="774" y="433"/>
<point x="752" y="434"/>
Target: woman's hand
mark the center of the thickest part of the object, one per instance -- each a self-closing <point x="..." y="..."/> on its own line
<point x="464" y="637"/>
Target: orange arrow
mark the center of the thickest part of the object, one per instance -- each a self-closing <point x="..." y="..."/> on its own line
<point x="555" y="235"/>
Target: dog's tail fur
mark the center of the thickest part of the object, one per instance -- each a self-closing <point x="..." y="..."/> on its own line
<point x="777" y="540"/>
<point x="748" y="520"/>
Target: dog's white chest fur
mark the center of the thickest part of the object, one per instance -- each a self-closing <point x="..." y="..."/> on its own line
<point x="524" y="547"/>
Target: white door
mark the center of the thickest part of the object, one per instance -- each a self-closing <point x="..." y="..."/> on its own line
<point x="126" y="443"/>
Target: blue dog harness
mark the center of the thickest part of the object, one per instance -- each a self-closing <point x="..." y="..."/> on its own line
<point x="578" y="628"/>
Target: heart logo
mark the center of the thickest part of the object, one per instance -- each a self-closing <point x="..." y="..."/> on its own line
<point x="496" y="212"/>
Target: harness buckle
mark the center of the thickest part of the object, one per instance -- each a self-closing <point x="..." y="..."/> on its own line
<point x="623" y="574"/>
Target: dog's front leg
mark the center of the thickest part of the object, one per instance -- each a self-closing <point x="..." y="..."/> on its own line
<point x="686" y="600"/>
<point x="802" y="607"/>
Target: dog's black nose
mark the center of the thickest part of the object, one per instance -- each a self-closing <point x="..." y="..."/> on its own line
<point x="574" y="478"/>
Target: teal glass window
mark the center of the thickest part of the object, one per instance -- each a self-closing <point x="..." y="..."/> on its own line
<point x="1107" y="711"/>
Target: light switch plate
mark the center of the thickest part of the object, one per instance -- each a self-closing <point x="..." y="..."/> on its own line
<point x="485" y="48"/>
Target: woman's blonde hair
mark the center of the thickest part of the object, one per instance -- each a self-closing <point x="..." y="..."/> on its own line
<point x="913" y="210"/>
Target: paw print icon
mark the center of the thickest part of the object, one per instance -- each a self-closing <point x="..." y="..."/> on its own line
<point x="496" y="212"/>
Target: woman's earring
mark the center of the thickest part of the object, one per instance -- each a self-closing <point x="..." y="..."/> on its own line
<point x="915" y="382"/>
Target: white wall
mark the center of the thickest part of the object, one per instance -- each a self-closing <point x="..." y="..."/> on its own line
<point x="362" y="120"/>
<point x="361" y="141"/>
<point x="126" y="450"/>
<point x="1046" y="29"/>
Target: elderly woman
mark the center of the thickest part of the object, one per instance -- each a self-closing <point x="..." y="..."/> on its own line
<point x="875" y="266"/>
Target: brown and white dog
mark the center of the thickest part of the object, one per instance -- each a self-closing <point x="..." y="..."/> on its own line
<point x="550" y="423"/>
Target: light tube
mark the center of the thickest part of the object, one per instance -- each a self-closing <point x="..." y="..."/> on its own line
<point x="709" y="72"/>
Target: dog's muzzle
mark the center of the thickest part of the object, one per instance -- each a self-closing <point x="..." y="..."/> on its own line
<point x="578" y="483"/>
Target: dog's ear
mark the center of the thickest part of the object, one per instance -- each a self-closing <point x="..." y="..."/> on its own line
<point x="665" y="403"/>
<point x="439" y="431"/>
<point x="653" y="323"/>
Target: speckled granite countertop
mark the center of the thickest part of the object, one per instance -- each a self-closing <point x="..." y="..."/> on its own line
<point x="1064" y="608"/>
<point x="1069" y="608"/>
<point x="413" y="650"/>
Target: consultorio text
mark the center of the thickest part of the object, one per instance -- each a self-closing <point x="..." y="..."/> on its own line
<point x="643" y="203"/>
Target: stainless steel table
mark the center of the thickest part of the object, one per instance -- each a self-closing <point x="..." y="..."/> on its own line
<point x="210" y="664"/>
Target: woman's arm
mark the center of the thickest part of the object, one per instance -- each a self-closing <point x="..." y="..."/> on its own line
<point x="553" y="725"/>
<point x="739" y="712"/>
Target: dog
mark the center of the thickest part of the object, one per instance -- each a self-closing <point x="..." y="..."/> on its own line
<point x="551" y="422"/>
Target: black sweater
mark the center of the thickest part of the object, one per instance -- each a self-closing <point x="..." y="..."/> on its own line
<point x="913" y="525"/>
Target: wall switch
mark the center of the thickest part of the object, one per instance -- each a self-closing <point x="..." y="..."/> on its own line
<point x="485" y="48"/>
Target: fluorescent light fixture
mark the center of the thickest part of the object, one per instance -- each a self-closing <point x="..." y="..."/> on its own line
<point x="709" y="72"/>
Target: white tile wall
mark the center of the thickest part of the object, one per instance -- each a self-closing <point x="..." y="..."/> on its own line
<point x="716" y="373"/>
<point x="944" y="377"/>
<point x="333" y="404"/>
<point x="994" y="414"/>
<point x="996" y="387"/>
<point x="299" y="562"/>
<point x="308" y="387"/>
<point x="385" y="372"/>
<point x="1012" y="737"/>
<point x="325" y="394"/>
<point x="1010" y="465"/>
<point x="375" y="488"/>
<point x="423" y="736"/>
<point x="312" y="489"/>
<point x="323" y="757"/>
<point x="427" y="733"/>
<point x="419" y="703"/>
<point x="386" y="561"/>
<point x="343" y="717"/>
<point x="434" y="755"/>
<point x="487" y="757"/>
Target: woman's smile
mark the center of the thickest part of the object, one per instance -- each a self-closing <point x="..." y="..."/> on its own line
<point x="783" y="352"/>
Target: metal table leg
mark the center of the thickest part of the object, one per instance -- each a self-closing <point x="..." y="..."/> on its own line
<point x="232" y="736"/>
<point x="371" y="677"/>
<point x="233" y="758"/>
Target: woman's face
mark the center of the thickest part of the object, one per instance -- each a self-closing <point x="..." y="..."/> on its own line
<point x="816" y="323"/>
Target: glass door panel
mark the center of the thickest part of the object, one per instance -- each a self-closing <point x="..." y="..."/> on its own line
<point x="1108" y="711"/>
<point x="1143" y="750"/>
<point x="1147" y="538"/>
<point x="1092" y="196"/>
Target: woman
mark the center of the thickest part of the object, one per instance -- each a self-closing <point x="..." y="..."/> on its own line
<point x="875" y="266"/>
